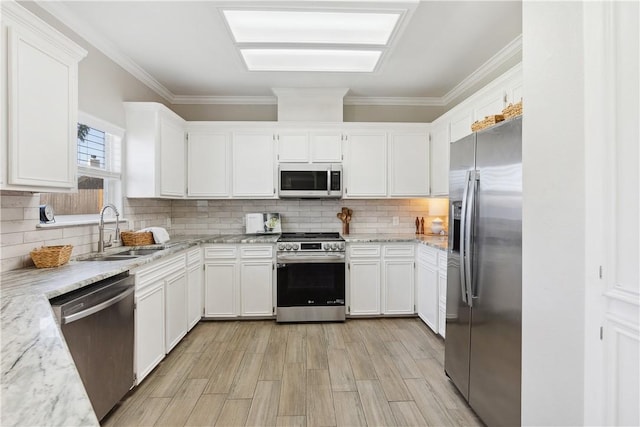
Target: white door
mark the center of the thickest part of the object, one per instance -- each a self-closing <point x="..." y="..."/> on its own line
<point x="150" y="329"/>
<point x="220" y="289"/>
<point x="398" y="286"/>
<point x="293" y="146"/>
<point x="253" y="165"/>
<point x="440" y="160"/>
<point x="194" y="294"/>
<point x="490" y="104"/>
<point x="366" y="164"/>
<point x="409" y="164"/>
<point x="208" y="164"/>
<point x="429" y="302"/>
<point x="460" y="125"/>
<point x="326" y="146"/>
<point x="442" y="305"/>
<point x="364" y="286"/>
<point x="176" y="309"/>
<point x="256" y="288"/>
<point x="172" y="157"/>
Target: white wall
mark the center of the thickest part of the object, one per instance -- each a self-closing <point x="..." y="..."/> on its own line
<point x="553" y="291"/>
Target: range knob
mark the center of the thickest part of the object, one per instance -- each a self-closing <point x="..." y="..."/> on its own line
<point x="295" y="246"/>
<point x="325" y="246"/>
<point x="341" y="246"/>
<point x="288" y="246"/>
<point x="334" y="246"/>
<point x="280" y="246"/>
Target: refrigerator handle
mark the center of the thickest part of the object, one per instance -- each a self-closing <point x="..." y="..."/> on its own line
<point x="463" y="238"/>
<point x="468" y="234"/>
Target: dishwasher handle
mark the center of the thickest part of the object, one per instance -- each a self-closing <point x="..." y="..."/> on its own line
<point x="96" y="308"/>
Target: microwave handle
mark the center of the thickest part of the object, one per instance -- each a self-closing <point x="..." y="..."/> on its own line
<point x="329" y="181"/>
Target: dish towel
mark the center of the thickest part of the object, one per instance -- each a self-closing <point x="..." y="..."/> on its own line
<point x="160" y="235"/>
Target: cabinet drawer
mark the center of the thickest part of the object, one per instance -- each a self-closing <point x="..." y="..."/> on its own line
<point x="364" y="251"/>
<point x="428" y="255"/>
<point x="159" y="270"/>
<point x="397" y="251"/>
<point x="442" y="260"/>
<point x="256" y="251"/>
<point x="193" y="256"/>
<point x="220" y="252"/>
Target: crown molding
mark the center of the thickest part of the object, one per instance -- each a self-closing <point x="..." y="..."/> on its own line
<point x="64" y="15"/>
<point x="505" y="54"/>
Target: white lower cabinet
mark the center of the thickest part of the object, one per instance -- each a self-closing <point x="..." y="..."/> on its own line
<point x="442" y="292"/>
<point x="176" y="308"/>
<point x="194" y="287"/>
<point x="363" y="278"/>
<point x="149" y="331"/>
<point x="238" y="280"/>
<point x="398" y="279"/>
<point x="427" y="287"/>
<point x="162" y="309"/>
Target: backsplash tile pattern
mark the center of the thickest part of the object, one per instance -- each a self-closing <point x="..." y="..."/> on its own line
<point x="19" y="216"/>
<point x="194" y="217"/>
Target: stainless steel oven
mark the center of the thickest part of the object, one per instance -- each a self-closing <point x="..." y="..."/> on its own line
<point x="311" y="278"/>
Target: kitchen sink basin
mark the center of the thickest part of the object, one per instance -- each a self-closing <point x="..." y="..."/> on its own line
<point x="138" y="252"/>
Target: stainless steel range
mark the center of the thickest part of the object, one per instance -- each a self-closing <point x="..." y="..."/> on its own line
<point x="311" y="277"/>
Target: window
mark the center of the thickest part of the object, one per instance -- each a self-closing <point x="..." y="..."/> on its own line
<point x="99" y="174"/>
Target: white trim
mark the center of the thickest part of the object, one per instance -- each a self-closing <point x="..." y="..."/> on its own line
<point x="62" y="13"/>
<point x="100" y="124"/>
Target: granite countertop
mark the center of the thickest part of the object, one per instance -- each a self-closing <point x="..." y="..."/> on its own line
<point x="435" y="241"/>
<point x="40" y="384"/>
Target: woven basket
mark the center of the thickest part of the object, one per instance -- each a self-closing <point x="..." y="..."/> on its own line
<point x="512" y="110"/>
<point x="488" y="121"/>
<point x="51" y="256"/>
<point x="137" y="238"/>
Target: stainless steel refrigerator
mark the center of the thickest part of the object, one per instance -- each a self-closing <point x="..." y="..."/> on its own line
<point x="484" y="272"/>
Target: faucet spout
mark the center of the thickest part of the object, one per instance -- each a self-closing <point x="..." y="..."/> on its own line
<point x="116" y="238"/>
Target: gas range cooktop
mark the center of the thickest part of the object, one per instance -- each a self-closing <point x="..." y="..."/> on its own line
<point x="311" y="242"/>
<point x="310" y="236"/>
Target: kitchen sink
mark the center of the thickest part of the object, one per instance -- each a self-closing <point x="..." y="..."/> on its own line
<point x="138" y="252"/>
<point x="119" y="256"/>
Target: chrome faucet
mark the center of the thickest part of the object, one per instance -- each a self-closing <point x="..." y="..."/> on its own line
<point x="101" y="242"/>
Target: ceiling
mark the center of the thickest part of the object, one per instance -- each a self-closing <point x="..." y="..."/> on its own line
<point x="183" y="50"/>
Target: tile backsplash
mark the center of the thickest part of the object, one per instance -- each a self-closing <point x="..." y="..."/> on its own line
<point x="19" y="217"/>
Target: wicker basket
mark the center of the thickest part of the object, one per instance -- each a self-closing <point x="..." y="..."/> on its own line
<point x="51" y="256"/>
<point x="512" y="110"/>
<point x="488" y="121"/>
<point x="137" y="238"/>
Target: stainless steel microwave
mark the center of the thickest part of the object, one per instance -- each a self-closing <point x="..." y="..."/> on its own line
<point x="310" y="180"/>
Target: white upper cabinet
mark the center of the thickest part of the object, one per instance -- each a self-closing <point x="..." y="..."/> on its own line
<point x="326" y="146"/>
<point x="39" y="86"/>
<point x="312" y="146"/>
<point x="208" y="164"/>
<point x="460" y="125"/>
<point x="293" y="146"/>
<point x="253" y="165"/>
<point x="366" y="164"/>
<point x="440" y="159"/>
<point x="408" y="164"/>
<point x="490" y="104"/>
<point x="155" y="150"/>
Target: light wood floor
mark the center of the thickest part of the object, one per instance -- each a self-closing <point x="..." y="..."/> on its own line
<point x="364" y="372"/>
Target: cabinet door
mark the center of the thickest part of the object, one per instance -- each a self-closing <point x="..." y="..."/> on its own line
<point x="326" y="147"/>
<point x="364" y="287"/>
<point x="408" y="164"/>
<point x="490" y="104"/>
<point x="256" y="288"/>
<point x="428" y="302"/>
<point x="442" y="305"/>
<point x="460" y="125"/>
<point x="150" y="349"/>
<point x="208" y="164"/>
<point x="194" y="295"/>
<point x="253" y="165"/>
<point x="220" y="289"/>
<point x="398" y="286"/>
<point x="440" y="160"/>
<point x="293" y="147"/>
<point x="366" y="167"/>
<point x="172" y="158"/>
<point x="176" y="309"/>
<point x="42" y="107"/>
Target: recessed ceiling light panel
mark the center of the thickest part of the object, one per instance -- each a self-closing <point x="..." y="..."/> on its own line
<point x="272" y="26"/>
<point x="321" y="60"/>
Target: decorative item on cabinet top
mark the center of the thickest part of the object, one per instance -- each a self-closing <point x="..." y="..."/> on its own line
<point x="512" y="110"/>
<point x="487" y="122"/>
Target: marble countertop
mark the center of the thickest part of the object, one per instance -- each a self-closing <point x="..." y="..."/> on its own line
<point x="40" y="384"/>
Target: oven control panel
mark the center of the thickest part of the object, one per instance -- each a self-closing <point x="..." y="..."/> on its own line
<point x="312" y="246"/>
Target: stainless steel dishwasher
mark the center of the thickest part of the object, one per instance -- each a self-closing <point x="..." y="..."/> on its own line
<point x="98" y="325"/>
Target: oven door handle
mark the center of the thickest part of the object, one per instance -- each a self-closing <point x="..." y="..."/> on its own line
<point x="317" y="259"/>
